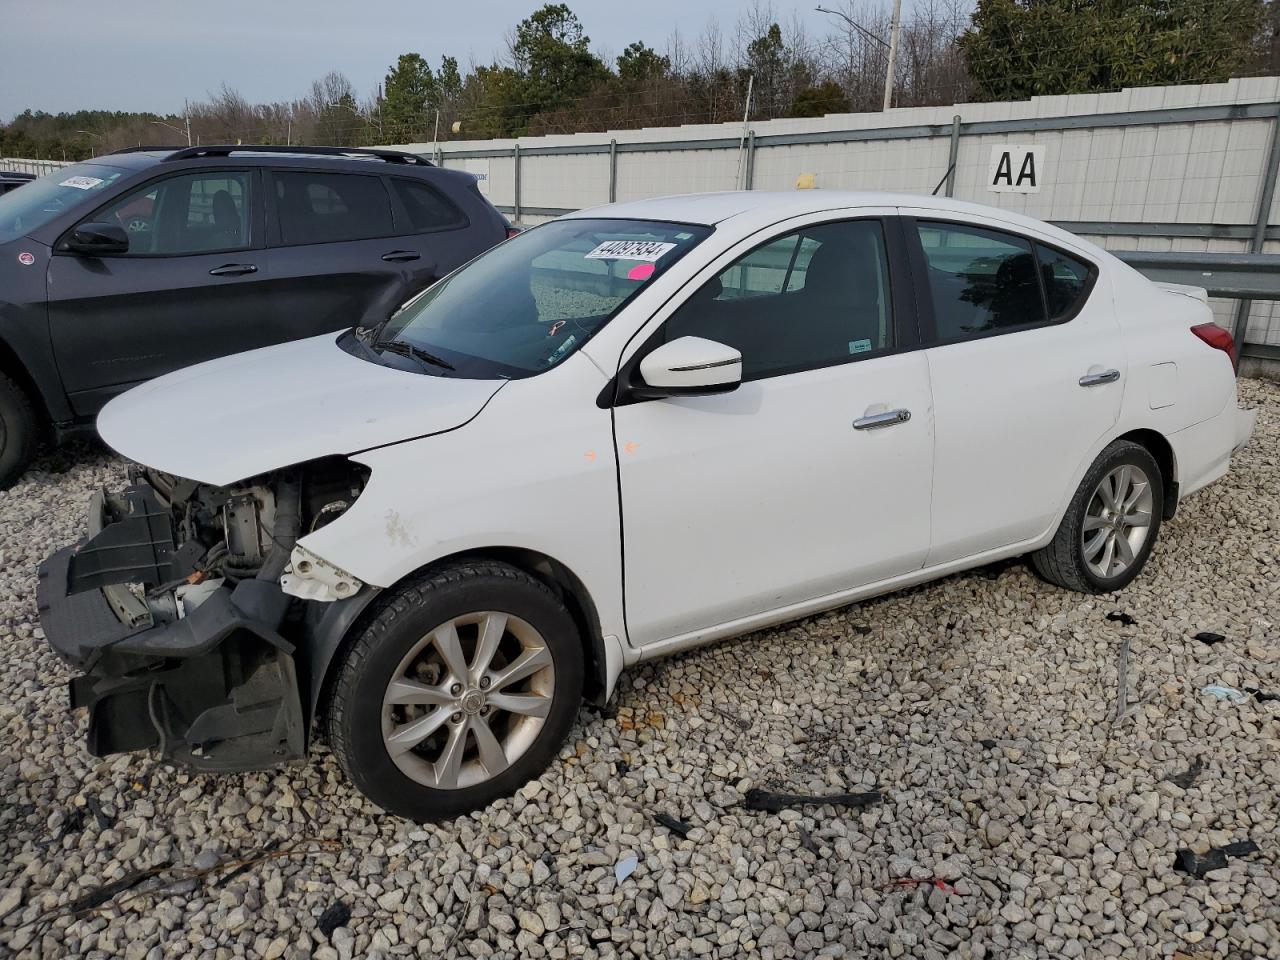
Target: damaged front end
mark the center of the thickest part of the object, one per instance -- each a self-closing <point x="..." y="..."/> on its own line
<point x="185" y="612"/>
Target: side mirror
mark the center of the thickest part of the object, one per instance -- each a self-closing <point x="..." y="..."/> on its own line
<point x="690" y="366"/>
<point x="98" y="239"/>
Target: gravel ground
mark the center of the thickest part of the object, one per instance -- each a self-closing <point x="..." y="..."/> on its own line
<point x="983" y="706"/>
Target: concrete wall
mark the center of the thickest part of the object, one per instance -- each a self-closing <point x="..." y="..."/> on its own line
<point x="1186" y="163"/>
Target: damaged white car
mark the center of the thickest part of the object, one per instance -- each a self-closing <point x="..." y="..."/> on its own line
<point x="621" y="434"/>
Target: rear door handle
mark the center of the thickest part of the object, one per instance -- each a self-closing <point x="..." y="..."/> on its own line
<point x="233" y="270"/>
<point x="397" y="256"/>
<point x="1104" y="376"/>
<point x="878" y="421"/>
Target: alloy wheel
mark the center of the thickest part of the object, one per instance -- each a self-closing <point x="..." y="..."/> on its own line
<point x="467" y="700"/>
<point x="1117" y="521"/>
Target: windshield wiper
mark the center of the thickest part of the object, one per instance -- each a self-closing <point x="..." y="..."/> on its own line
<point x="400" y="348"/>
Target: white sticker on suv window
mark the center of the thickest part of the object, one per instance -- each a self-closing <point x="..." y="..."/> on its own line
<point x="649" y="250"/>
<point x="859" y="346"/>
<point x="81" y="183"/>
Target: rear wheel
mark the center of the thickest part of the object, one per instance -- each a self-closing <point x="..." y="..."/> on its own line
<point x="19" y="431"/>
<point x="1110" y="527"/>
<point x="460" y="689"/>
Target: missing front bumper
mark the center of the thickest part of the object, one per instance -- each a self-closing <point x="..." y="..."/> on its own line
<point x="217" y="689"/>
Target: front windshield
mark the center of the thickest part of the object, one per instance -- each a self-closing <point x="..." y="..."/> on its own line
<point x="529" y="303"/>
<point x="34" y="204"/>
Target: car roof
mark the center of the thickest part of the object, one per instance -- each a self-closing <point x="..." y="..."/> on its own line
<point x="760" y="207"/>
<point x="254" y="156"/>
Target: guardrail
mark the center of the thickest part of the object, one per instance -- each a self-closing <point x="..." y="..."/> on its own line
<point x="24" y="165"/>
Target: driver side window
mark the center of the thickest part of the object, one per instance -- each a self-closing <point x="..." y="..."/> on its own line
<point x="811" y="298"/>
<point x="190" y="213"/>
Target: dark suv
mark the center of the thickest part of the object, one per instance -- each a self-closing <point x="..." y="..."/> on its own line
<point x="122" y="268"/>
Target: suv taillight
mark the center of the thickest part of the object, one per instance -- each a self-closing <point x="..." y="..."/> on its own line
<point x="512" y="232"/>
<point x="1216" y="337"/>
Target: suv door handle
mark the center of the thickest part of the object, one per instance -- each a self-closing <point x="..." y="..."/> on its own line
<point x="397" y="256"/>
<point x="878" y="421"/>
<point x="233" y="270"/>
<point x="1104" y="376"/>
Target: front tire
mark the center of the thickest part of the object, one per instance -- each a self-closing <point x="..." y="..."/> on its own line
<point x="1110" y="527"/>
<point x="460" y="689"/>
<point x="19" y="431"/>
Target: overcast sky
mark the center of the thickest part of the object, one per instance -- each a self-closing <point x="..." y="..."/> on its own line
<point x="149" y="54"/>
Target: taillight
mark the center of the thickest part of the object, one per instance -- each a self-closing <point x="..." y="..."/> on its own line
<point x="512" y="232"/>
<point x="1216" y="337"/>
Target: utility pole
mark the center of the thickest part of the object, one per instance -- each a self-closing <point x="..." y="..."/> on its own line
<point x="746" y="119"/>
<point x="893" y="53"/>
<point x="186" y="115"/>
<point x="435" y="139"/>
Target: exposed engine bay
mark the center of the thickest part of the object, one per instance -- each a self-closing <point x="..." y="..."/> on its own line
<point x="185" y="607"/>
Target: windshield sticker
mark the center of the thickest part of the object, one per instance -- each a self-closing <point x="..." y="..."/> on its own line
<point x="859" y="346"/>
<point x="649" y="250"/>
<point x="641" y="271"/>
<point x="561" y="350"/>
<point x="81" y="183"/>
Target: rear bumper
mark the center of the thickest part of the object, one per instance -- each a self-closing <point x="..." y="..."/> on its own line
<point x="1203" y="452"/>
<point x="216" y="689"/>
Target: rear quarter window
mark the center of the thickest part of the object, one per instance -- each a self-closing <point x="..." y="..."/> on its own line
<point x="316" y="207"/>
<point x="425" y="208"/>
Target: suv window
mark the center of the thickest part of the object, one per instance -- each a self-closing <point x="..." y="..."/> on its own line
<point x="189" y="213"/>
<point x="328" y="207"/>
<point x="812" y="298"/>
<point x="426" y="207"/>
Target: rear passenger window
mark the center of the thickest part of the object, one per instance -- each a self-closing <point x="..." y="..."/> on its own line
<point x="982" y="281"/>
<point x="327" y="207"/>
<point x="426" y="207"/>
<point x="1066" y="281"/>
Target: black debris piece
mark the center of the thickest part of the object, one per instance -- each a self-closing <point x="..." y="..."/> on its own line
<point x="250" y="862"/>
<point x="988" y="744"/>
<point x="1188" y="776"/>
<point x="1262" y="696"/>
<point x="73" y="823"/>
<point x="862" y="631"/>
<point x="622" y="767"/>
<point x="1119" y="616"/>
<point x="1210" y="638"/>
<point x="335" y="915"/>
<point x="1215" y="858"/>
<point x="741" y="723"/>
<point x="673" y="824"/>
<point x="100" y="895"/>
<point x="767" y="800"/>
<point x="807" y="841"/>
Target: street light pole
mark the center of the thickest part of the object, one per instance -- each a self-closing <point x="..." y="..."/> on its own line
<point x="891" y="46"/>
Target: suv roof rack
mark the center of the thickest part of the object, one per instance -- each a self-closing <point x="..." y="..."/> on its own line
<point x="223" y="150"/>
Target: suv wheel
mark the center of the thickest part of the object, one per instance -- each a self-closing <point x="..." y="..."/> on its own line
<point x="19" y="431"/>
<point x="1110" y="527"/>
<point x="460" y="689"/>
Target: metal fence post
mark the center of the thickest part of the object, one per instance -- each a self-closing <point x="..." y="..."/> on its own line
<point x="955" y="153"/>
<point x="613" y="171"/>
<point x="515" y="158"/>
<point x="751" y="161"/>
<point x="1240" y="328"/>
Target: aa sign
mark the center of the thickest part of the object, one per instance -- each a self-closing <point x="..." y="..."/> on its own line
<point x="1015" y="169"/>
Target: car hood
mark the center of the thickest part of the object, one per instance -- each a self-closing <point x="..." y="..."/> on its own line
<point x="249" y="413"/>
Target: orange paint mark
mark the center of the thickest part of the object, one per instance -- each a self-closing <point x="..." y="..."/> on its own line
<point x="631" y="446"/>
<point x="590" y="455"/>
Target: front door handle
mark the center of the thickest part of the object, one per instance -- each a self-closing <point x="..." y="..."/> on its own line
<point x="878" y="421"/>
<point x="1103" y="376"/>
<point x="399" y="256"/>
<point x="233" y="270"/>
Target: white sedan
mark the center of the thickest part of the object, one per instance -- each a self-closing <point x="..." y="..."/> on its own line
<point x="624" y="433"/>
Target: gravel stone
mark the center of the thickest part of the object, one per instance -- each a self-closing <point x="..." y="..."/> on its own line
<point x="982" y="706"/>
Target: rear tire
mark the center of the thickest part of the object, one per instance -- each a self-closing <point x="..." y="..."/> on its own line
<point x="1111" y="525"/>
<point x="19" y="431"/>
<point x="459" y="690"/>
